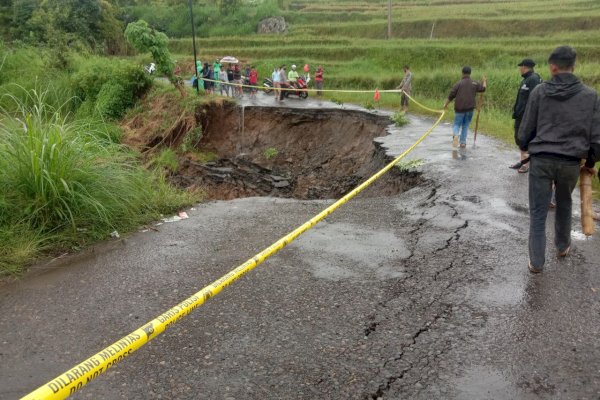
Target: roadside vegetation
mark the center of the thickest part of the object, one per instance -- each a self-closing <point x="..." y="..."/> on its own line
<point x="65" y="178"/>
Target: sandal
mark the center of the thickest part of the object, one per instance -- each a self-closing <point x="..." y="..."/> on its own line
<point x="524" y="169"/>
<point x="516" y="166"/>
<point x="533" y="269"/>
<point x="564" y="253"/>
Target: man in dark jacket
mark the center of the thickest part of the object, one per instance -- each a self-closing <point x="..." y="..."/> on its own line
<point x="463" y="93"/>
<point x="561" y="126"/>
<point x="529" y="82"/>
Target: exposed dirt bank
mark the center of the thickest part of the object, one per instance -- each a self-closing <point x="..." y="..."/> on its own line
<point x="300" y="153"/>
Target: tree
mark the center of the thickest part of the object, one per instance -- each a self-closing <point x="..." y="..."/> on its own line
<point x="145" y="39"/>
<point x="68" y="23"/>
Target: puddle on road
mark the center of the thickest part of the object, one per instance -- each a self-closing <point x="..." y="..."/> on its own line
<point x="344" y="251"/>
<point x="483" y="382"/>
<point x="578" y="235"/>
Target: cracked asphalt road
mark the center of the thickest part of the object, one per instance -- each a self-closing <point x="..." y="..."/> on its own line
<point x="423" y="295"/>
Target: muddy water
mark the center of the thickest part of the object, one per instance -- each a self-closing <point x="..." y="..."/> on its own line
<point x="290" y="152"/>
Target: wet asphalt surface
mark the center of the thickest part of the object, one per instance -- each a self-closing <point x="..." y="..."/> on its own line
<point x="422" y="295"/>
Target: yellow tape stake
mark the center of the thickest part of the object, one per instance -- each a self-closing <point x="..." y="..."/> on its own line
<point x="80" y="375"/>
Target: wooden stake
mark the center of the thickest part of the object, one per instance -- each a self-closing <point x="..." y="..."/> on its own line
<point x="477" y="118"/>
<point x="588" y="225"/>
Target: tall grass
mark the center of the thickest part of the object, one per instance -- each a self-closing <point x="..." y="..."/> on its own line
<point x="64" y="181"/>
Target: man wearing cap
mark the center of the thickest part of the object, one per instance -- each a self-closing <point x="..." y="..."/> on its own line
<point x="463" y="93"/>
<point x="529" y="82"/>
<point x="561" y="126"/>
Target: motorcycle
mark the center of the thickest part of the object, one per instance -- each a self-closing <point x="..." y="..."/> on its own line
<point x="246" y="82"/>
<point x="300" y="84"/>
<point x="150" y="69"/>
<point x="268" y="85"/>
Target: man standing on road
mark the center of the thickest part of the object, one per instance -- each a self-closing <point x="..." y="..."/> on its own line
<point x="319" y="80"/>
<point x="561" y="126"/>
<point x="463" y="93"/>
<point x="529" y="82"/>
<point x="283" y="82"/>
<point x="406" y="87"/>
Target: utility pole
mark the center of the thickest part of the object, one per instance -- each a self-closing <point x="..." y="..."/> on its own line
<point x="389" y="33"/>
<point x="194" y="44"/>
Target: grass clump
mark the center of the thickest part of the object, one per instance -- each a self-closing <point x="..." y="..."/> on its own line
<point x="368" y="105"/>
<point x="400" y="119"/>
<point x="271" y="152"/>
<point x="63" y="184"/>
<point x="165" y="160"/>
<point x="405" y="166"/>
<point x="192" y="139"/>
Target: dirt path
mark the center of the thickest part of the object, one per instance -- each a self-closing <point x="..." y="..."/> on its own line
<point x="423" y="294"/>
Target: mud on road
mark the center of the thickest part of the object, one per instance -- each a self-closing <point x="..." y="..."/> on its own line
<point x="420" y="293"/>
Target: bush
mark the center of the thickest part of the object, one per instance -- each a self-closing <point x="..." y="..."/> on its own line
<point x="68" y="181"/>
<point x="109" y="89"/>
<point x="113" y="100"/>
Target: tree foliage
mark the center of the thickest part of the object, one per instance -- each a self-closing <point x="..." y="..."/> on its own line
<point x="147" y="40"/>
<point x="74" y="23"/>
<point x="229" y="7"/>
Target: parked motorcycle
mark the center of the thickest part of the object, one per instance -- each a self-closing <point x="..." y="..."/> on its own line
<point x="150" y="69"/>
<point x="268" y="85"/>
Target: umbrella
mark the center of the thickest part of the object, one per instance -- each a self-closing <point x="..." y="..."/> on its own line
<point x="229" y="60"/>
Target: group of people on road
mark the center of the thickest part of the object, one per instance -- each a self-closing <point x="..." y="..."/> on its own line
<point x="557" y="130"/>
<point x="228" y="79"/>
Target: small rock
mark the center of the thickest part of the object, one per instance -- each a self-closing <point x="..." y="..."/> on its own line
<point x="281" y="184"/>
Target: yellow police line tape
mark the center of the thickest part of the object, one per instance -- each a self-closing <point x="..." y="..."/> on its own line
<point x="75" y="378"/>
<point x="330" y="90"/>
<point x="302" y="90"/>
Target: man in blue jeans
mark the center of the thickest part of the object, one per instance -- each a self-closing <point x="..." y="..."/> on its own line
<point x="560" y="127"/>
<point x="463" y="93"/>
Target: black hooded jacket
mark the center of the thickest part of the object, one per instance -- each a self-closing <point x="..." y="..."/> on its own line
<point x="562" y="119"/>
<point x="529" y="82"/>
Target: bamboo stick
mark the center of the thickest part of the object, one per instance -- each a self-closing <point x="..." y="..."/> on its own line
<point x="585" y="186"/>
